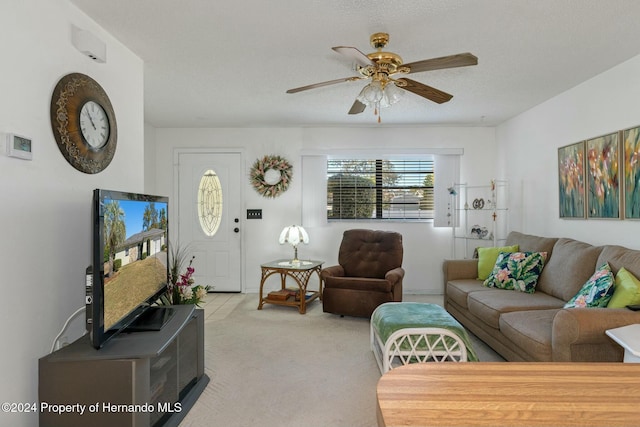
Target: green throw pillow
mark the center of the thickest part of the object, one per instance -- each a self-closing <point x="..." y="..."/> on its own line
<point x="596" y="292"/>
<point x="487" y="259"/>
<point x="518" y="271"/>
<point x="626" y="291"/>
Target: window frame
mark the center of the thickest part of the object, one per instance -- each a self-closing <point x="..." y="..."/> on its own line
<point x="380" y="175"/>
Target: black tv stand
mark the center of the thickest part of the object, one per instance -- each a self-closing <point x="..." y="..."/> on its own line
<point x="159" y="374"/>
<point x="151" y="319"/>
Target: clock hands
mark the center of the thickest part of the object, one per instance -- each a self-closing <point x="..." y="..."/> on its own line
<point x="88" y="114"/>
<point x="91" y="120"/>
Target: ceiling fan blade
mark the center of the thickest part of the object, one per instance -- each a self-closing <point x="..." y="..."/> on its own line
<point x="328" y="83"/>
<point x="451" y="61"/>
<point x="355" y="55"/>
<point x="425" y="91"/>
<point x="357" y="107"/>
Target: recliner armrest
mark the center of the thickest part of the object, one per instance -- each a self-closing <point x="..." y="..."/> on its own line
<point x="333" y="271"/>
<point x="394" y="276"/>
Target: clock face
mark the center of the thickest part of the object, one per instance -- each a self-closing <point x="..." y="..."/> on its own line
<point x="94" y="124"/>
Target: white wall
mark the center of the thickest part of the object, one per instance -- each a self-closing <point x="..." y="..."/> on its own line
<point x="424" y="246"/>
<point x="46" y="203"/>
<point x="150" y="159"/>
<point x="528" y="151"/>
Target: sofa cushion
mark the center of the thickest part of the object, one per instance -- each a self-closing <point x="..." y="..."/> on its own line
<point x="618" y="257"/>
<point x="487" y="258"/>
<point x="596" y="292"/>
<point x="488" y="306"/>
<point x="530" y="243"/>
<point x="458" y="290"/>
<point x="570" y="266"/>
<point x="531" y="331"/>
<point x="517" y="271"/>
<point x="627" y="290"/>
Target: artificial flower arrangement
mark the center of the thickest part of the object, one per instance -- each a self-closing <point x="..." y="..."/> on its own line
<point x="181" y="286"/>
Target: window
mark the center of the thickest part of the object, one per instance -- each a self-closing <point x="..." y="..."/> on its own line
<point x="380" y="189"/>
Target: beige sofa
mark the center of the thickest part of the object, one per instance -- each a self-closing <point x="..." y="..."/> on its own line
<point x="534" y="327"/>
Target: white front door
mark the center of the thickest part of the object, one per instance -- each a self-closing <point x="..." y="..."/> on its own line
<point x="209" y="221"/>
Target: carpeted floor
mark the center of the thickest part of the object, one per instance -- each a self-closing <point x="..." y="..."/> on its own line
<point x="276" y="368"/>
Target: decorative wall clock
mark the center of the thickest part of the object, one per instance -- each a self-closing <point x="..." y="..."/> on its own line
<point x="83" y="123"/>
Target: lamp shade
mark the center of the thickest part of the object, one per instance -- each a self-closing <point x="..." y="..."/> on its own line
<point x="379" y="95"/>
<point x="293" y="235"/>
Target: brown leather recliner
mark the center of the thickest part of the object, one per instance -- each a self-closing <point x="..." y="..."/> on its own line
<point x="369" y="273"/>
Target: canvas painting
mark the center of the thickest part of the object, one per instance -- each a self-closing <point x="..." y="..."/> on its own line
<point x="603" y="177"/>
<point x="571" y="181"/>
<point x="631" y="171"/>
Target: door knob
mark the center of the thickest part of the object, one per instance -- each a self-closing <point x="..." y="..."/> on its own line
<point x="236" y="230"/>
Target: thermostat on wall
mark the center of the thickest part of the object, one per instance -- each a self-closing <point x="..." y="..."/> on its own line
<point x="19" y="146"/>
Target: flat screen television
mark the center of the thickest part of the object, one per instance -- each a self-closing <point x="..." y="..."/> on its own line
<point x="130" y="268"/>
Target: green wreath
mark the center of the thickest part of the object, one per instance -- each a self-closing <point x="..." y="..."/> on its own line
<point x="271" y="175"/>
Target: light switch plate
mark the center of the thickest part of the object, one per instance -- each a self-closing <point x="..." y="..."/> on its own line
<point x="254" y="213"/>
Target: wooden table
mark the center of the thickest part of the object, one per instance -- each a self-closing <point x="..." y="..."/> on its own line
<point x="300" y="272"/>
<point x="510" y="394"/>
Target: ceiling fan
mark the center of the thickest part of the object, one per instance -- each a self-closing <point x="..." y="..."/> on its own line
<point x="386" y="72"/>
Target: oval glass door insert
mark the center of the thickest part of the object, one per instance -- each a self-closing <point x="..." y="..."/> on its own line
<point x="210" y="203"/>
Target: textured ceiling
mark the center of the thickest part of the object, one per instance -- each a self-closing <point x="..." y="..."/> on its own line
<point x="228" y="64"/>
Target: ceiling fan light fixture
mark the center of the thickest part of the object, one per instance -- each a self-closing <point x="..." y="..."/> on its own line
<point x="371" y="94"/>
<point x="391" y="95"/>
<point x="379" y="95"/>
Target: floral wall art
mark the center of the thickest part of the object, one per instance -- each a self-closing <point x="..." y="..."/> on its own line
<point x="571" y="180"/>
<point x="631" y="171"/>
<point x="603" y="176"/>
<point x="600" y="178"/>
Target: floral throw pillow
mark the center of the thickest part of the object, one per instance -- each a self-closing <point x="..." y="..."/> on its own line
<point x="517" y="271"/>
<point x="596" y="292"/>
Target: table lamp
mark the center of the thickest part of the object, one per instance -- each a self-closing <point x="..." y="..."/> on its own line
<point x="293" y="235"/>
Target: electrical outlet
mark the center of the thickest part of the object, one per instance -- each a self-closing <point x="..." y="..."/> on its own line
<point x="254" y="213"/>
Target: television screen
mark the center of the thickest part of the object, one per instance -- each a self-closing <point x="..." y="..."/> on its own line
<point x="130" y="268"/>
